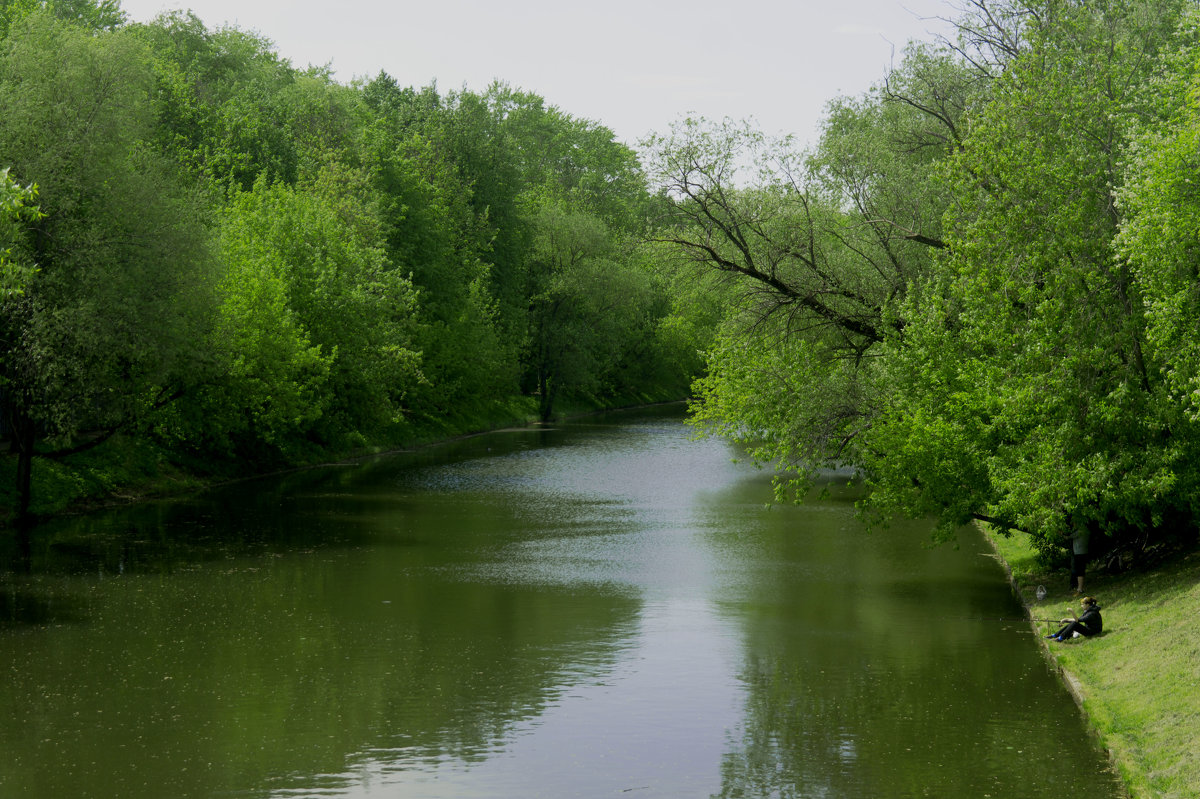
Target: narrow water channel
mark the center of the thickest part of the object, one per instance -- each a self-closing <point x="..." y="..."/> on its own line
<point x="602" y="609"/>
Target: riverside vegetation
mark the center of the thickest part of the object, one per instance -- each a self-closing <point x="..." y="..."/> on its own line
<point x="980" y="287"/>
<point x="1139" y="683"/>
<point x="215" y="263"/>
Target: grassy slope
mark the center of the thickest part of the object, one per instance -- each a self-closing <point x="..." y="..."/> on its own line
<point x="1139" y="683"/>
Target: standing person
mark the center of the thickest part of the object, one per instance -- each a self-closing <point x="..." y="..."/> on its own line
<point x="1088" y="623"/>
<point x="1079" y="557"/>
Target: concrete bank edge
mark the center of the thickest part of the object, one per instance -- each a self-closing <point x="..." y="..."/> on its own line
<point x="1069" y="680"/>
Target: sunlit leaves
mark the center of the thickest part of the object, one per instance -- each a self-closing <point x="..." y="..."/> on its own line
<point x="317" y="322"/>
<point x="17" y="209"/>
<point x="1031" y="349"/>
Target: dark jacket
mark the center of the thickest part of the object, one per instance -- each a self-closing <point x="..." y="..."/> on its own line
<point x="1091" y="619"/>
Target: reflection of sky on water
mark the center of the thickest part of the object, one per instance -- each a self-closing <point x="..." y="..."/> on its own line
<point x="655" y="724"/>
<point x="639" y="467"/>
<point x="595" y="610"/>
<point x="780" y="652"/>
<point x="617" y="508"/>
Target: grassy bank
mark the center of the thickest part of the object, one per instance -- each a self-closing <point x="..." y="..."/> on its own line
<point x="1138" y="683"/>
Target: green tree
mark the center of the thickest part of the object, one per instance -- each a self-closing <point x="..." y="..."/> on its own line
<point x="479" y="164"/>
<point x="592" y="305"/>
<point x="222" y="101"/>
<point x="98" y="15"/>
<point x="1029" y="397"/>
<point x="585" y="301"/>
<point x="106" y="329"/>
<point x="429" y="167"/>
<point x="314" y="329"/>
<point x="575" y="159"/>
<point x="818" y="252"/>
<point x="936" y="294"/>
<point x="1158" y="242"/>
<point x="503" y="206"/>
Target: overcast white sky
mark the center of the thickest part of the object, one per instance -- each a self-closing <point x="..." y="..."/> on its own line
<point x="633" y="65"/>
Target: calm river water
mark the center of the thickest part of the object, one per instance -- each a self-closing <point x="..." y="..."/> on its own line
<point x="601" y="609"/>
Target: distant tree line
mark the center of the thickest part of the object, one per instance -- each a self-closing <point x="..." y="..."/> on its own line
<point x="982" y="285"/>
<point x="207" y="247"/>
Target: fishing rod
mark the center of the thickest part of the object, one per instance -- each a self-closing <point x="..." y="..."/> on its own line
<point x="1041" y="594"/>
<point x="1012" y="618"/>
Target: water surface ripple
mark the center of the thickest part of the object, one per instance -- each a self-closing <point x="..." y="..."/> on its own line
<point x="602" y="609"/>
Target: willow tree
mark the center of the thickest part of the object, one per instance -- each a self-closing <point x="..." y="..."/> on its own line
<point x="819" y="250"/>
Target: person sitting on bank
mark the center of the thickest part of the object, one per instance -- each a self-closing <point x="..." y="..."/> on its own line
<point x="1088" y="623"/>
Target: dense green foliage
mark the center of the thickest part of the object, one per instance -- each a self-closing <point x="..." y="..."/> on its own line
<point x="980" y="287"/>
<point x="213" y="252"/>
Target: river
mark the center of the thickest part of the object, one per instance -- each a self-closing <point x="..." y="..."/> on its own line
<point x="605" y="608"/>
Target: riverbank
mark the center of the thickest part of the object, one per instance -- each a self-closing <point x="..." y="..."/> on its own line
<point x="1139" y="682"/>
<point x="130" y="469"/>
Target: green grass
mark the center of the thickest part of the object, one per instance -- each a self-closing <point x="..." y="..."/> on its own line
<point x="1140" y="681"/>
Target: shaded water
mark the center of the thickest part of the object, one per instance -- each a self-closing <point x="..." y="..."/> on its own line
<point x="602" y="609"/>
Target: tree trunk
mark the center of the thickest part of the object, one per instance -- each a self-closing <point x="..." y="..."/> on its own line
<point x="546" y="392"/>
<point x="23" y="438"/>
